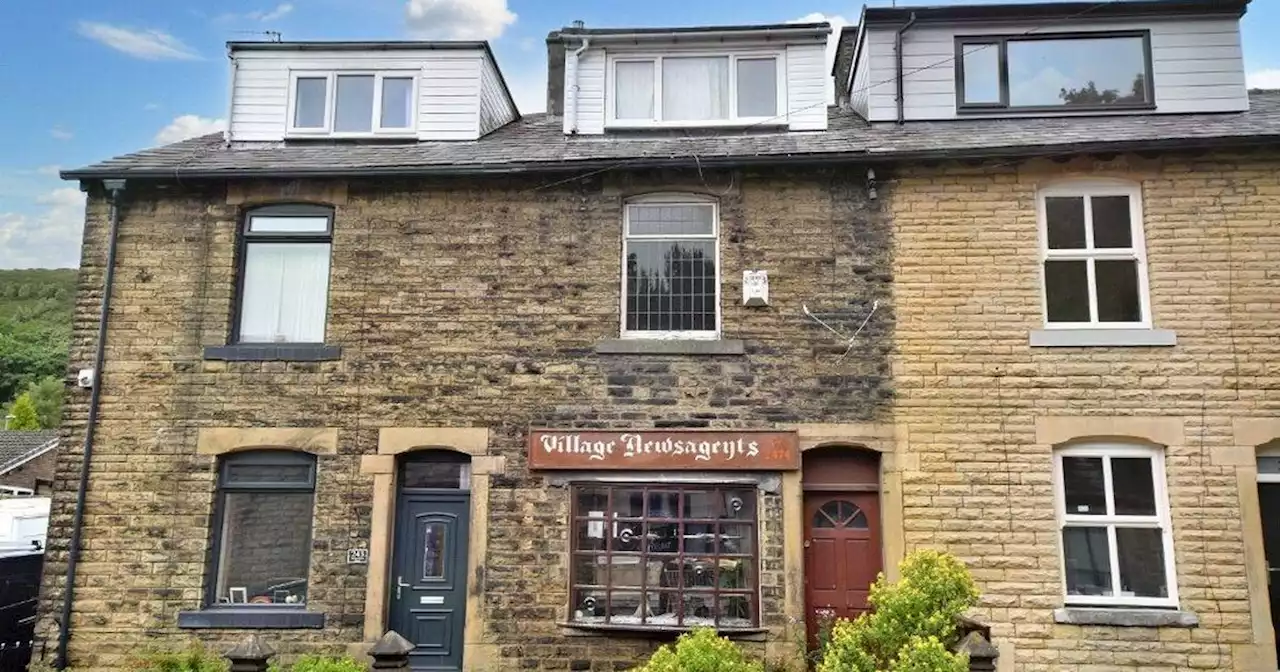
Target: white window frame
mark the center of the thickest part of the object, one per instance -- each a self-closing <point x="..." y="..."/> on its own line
<point x="611" y="120"/>
<point x="1161" y="521"/>
<point x="331" y="102"/>
<point x="670" y="199"/>
<point x="1087" y="189"/>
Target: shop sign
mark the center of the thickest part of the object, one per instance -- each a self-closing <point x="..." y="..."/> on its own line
<point x="678" y="449"/>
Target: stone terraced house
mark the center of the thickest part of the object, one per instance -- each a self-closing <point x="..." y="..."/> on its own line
<point x="694" y="347"/>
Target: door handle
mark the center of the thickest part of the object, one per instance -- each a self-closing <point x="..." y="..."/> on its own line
<point x="400" y="584"/>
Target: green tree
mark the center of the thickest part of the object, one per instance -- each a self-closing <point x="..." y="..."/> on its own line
<point x="46" y="396"/>
<point x="25" y="418"/>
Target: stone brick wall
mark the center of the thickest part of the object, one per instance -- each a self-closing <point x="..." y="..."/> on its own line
<point x="971" y="390"/>
<point x="471" y="302"/>
<point x="34" y="475"/>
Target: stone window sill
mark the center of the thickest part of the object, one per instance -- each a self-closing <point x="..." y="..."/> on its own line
<point x="265" y="617"/>
<point x="653" y="346"/>
<point x="1101" y="338"/>
<point x="593" y="630"/>
<point x="1126" y="618"/>
<point x="273" y="352"/>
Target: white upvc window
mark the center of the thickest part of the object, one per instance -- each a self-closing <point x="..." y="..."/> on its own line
<point x="1093" y="256"/>
<point x="671" y="267"/>
<point x="696" y="89"/>
<point x="1116" y="541"/>
<point x="353" y="103"/>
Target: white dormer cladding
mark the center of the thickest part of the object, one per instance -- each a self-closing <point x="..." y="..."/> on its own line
<point x="347" y="90"/>
<point x="957" y="67"/>
<point x="734" y="77"/>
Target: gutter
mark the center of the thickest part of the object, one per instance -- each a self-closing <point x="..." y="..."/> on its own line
<point x="746" y="33"/>
<point x="36" y="452"/>
<point x="577" y="75"/>
<point x="902" y="93"/>
<point x="115" y="191"/>
<point x="878" y="157"/>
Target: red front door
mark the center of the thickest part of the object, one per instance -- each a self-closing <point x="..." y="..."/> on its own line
<point x="842" y="555"/>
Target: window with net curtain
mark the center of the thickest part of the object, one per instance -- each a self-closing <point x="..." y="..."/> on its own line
<point x="695" y="88"/>
<point x="671" y="265"/>
<point x="284" y="283"/>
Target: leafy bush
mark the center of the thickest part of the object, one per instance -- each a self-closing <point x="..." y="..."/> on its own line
<point x="195" y="658"/>
<point x="312" y="663"/>
<point x="913" y="625"/>
<point x="25" y="417"/>
<point x="701" y="651"/>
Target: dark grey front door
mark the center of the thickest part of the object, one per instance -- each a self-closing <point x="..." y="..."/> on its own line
<point x="1269" y="501"/>
<point x="429" y="577"/>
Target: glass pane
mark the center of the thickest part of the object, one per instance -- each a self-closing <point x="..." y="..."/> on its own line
<point x="699" y="608"/>
<point x="589" y="605"/>
<point x="664" y="504"/>
<point x="1088" y="563"/>
<point x="633" y="98"/>
<point x="981" y="73"/>
<point x="1077" y="71"/>
<point x="695" y="88"/>
<point x="1141" y="555"/>
<point x="662" y="537"/>
<point x="700" y="573"/>
<point x="736" y="574"/>
<point x="1111" y="222"/>
<point x="1118" y="291"/>
<point x="671" y="220"/>
<point x="735" y="611"/>
<point x="309" y="102"/>
<point x="858" y="522"/>
<point x="264" y="548"/>
<point x="592" y="499"/>
<point x="286" y="289"/>
<point x="1066" y="290"/>
<point x="740" y="504"/>
<point x="260" y="224"/>
<point x="249" y="474"/>
<point x="821" y="519"/>
<point x="626" y="571"/>
<point x="353" y="111"/>
<point x="1064" y="220"/>
<point x="1135" y="493"/>
<point x="671" y="285"/>
<point x="590" y="533"/>
<point x="590" y="570"/>
<point x="628" y="503"/>
<point x="757" y="87"/>
<point x="397" y="102"/>
<point x="1084" y="486"/>
<point x="737" y="539"/>
<point x="441" y="475"/>
<point x="433" y="551"/>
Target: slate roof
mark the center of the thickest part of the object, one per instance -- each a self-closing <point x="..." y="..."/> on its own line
<point x="17" y="447"/>
<point x="537" y="143"/>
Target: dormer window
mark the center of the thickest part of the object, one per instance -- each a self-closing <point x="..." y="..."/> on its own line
<point x="352" y="103"/>
<point x="702" y="89"/>
<point x="1045" y="73"/>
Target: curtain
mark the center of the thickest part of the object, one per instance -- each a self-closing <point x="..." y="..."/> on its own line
<point x="695" y="89"/>
<point x="633" y="97"/>
<point x="286" y="289"/>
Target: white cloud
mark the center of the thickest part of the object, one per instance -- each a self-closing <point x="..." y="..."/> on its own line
<point x="147" y="44"/>
<point x="188" y="126"/>
<point x="1264" y="79"/>
<point x="837" y="22"/>
<point x="50" y="238"/>
<point x="458" y="19"/>
<point x="264" y="15"/>
<point x="60" y="133"/>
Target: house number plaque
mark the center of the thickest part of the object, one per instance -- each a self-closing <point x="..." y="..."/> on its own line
<point x="679" y="449"/>
<point x="357" y="556"/>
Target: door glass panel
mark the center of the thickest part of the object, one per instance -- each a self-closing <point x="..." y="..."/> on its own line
<point x="437" y="475"/>
<point x="820" y="519"/>
<point x="858" y="521"/>
<point x="433" y="550"/>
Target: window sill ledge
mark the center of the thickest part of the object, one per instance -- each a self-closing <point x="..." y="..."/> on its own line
<point x="601" y="630"/>
<point x="251" y="618"/>
<point x="270" y="352"/>
<point x="1126" y="618"/>
<point x="1100" y="338"/>
<point x="653" y="346"/>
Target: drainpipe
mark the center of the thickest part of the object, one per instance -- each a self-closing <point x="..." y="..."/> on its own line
<point x="902" y="94"/>
<point x="231" y="96"/>
<point x="577" y="62"/>
<point x="115" y="189"/>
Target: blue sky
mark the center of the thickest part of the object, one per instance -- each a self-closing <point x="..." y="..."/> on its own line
<point x="118" y="76"/>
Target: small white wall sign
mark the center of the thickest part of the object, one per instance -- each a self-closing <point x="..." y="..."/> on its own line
<point x="357" y="556"/>
<point x="755" y="288"/>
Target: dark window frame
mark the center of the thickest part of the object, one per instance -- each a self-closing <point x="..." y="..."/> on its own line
<point x="577" y="517"/>
<point x="1002" y="44"/>
<point x="265" y="457"/>
<point x="246" y="237"/>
